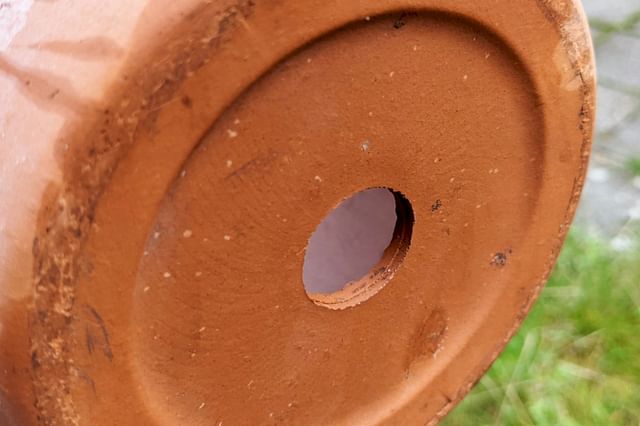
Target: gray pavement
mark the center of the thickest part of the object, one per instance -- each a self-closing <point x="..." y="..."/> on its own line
<point x="610" y="205"/>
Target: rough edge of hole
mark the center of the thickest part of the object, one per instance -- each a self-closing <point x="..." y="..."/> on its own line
<point x="359" y="291"/>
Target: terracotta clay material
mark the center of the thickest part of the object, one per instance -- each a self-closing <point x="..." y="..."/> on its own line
<point x="152" y="274"/>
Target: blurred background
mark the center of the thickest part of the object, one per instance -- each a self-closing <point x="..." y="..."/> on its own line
<point x="576" y="359"/>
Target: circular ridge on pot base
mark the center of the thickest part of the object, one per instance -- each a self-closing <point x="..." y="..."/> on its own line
<point x="357" y="108"/>
<point x="357" y="248"/>
<point x="484" y="125"/>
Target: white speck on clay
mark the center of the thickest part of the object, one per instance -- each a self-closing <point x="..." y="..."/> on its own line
<point x="201" y="406"/>
<point x="227" y="237"/>
<point x="232" y="133"/>
<point x="415" y="48"/>
<point x="156" y="235"/>
<point x="167" y="274"/>
<point x="452" y="179"/>
<point x="229" y="163"/>
<point x="318" y="178"/>
<point x="478" y="206"/>
<point x="198" y="274"/>
<point x="201" y="329"/>
<point x="145" y="253"/>
<point x="465" y="77"/>
<point x="308" y="60"/>
<point x="367" y="18"/>
<point x="146" y="289"/>
<point x="236" y="121"/>
<point x="183" y="173"/>
<point x="392" y="73"/>
<point x="365" y="145"/>
<point x="486" y="56"/>
<point x="187" y="233"/>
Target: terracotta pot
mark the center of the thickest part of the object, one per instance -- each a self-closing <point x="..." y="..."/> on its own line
<point x="164" y="163"/>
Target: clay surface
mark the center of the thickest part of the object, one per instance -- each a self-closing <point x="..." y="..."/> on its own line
<point x="163" y="281"/>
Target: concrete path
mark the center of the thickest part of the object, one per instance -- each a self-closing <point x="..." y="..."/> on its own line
<point x="610" y="207"/>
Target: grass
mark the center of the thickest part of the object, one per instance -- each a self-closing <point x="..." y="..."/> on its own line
<point x="633" y="166"/>
<point x="605" y="29"/>
<point x="576" y="359"/>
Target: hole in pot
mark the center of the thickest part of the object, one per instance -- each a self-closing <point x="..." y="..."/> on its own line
<point x="357" y="248"/>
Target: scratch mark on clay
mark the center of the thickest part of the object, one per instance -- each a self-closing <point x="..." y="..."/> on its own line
<point x="106" y="346"/>
<point x="87" y="379"/>
<point x="89" y="339"/>
<point x="261" y="161"/>
<point x="428" y="337"/>
<point x="46" y="90"/>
